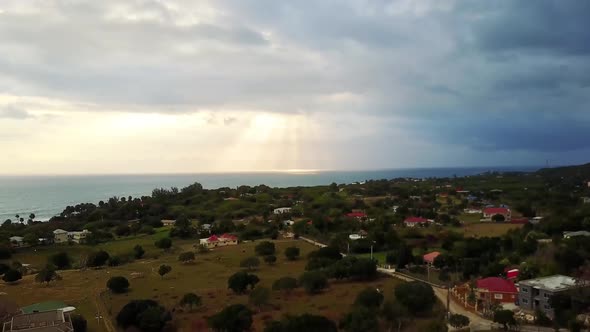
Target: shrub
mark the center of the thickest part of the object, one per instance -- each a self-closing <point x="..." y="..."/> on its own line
<point x="98" y="258"/>
<point x="187" y="257"/>
<point x="164" y="269"/>
<point x="118" y="284"/>
<point x="416" y="296"/>
<point x="270" y="259"/>
<point x="292" y="253"/>
<point x="145" y="315"/>
<point x="259" y="296"/>
<point x="138" y="251"/>
<point x="458" y="321"/>
<point x="122" y="230"/>
<point x="250" y="263"/>
<point x="234" y="318"/>
<point x="240" y="281"/>
<point x="12" y="275"/>
<point x="47" y="275"/>
<point x="313" y="281"/>
<point x="286" y="284"/>
<point x="369" y="297"/>
<point x="61" y="260"/>
<point x="164" y="243"/>
<point x="265" y="248"/>
<point x="191" y="300"/>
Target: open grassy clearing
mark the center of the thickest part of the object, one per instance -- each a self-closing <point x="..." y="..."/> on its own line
<point x="207" y="277"/>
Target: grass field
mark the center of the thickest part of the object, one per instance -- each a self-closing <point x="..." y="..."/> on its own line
<point x="207" y="277"/>
<point x="488" y="229"/>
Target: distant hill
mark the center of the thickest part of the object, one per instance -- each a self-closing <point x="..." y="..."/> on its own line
<point x="581" y="172"/>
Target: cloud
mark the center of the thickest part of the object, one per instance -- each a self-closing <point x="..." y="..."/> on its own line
<point x="13" y="112"/>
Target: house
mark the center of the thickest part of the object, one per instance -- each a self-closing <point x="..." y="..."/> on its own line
<point x="16" y="241"/>
<point x="168" y="222"/>
<point x="490" y="212"/>
<point x="495" y="290"/>
<point x="357" y="215"/>
<point x="416" y="221"/>
<point x="585" y="200"/>
<point x="288" y="222"/>
<point x="569" y="235"/>
<point x="512" y="274"/>
<point x="60" y="236"/>
<point x="78" y="236"/>
<point x="206" y="227"/>
<point x="54" y="320"/>
<point x="430" y="257"/>
<point x="535" y="294"/>
<point x="219" y="241"/>
<point x="282" y="210"/>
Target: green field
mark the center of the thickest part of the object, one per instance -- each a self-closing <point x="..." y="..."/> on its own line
<point x="207" y="277"/>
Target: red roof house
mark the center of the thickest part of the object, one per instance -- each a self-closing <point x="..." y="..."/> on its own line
<point x="413" y="221"/>
<point x="430" y="257"/>
<point x="494" y="289"/>
<point x="357" y="215"/>
<point x="489" y="212"/>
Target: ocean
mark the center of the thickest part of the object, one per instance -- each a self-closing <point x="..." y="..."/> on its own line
<point x="47" y="196"/>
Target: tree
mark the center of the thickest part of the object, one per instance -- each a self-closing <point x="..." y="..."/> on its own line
<point x="285" y="284"/>
<point x="79" y="323"/>
<point x="506" y="318"/>
<point x="240" y="281"/>
<point x="163" y="243"/>
<point x="498" y="218"/>
<point x="146" y="315"/>
<point x="305" y="322"/>
<point x="32" y="217"/>
<point x="187" y="257"/>
<point x="458" y="321"/>
<point x="122" y="230"/>
<point x="138" y="251"/>
<point x="118" y="284"/>
<point x="12" y="275"/>
<point x="270" y="259"/>
<point x="234" y="318"/>
<point x="31" y="239"/>
<point x="370" y="298"/>
<point x="292" y="253"/>
<point x="61" y="260"/>
<point x="191" y="300"/>
<point x="313" y="281"/>
<point x="259" y="296"/>
<point x="360" y="319"/>
<point x="416" y="296"/>
<point x="164" y="269"/>
<point x="250" y="263"/>
<point x="4" y="268"/>
<point x="98" y="258"/>
<point x="394" y="313"/>
<point x="265" y="248"/>
<point x="47" y="275"/>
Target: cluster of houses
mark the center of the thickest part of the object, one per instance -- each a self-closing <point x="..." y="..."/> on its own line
<point x="59" y="236"/>
<point x="219" y="241"/>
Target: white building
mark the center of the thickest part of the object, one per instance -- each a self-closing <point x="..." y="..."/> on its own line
<point x="288" y="222"/>
<point x="61" y="236"/>
<point x="282" y="210"/>
<point x="16" y="241"/>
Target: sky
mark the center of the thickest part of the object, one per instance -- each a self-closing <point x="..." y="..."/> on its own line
<point x="180" y="86"/>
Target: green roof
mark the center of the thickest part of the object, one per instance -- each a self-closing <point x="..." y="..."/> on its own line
<point x="43" y="306"/>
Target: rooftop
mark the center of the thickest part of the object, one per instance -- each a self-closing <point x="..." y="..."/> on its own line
<point x="551" y="283"/>
<point x="495" y="284"/>
<point x="43" y="306"/>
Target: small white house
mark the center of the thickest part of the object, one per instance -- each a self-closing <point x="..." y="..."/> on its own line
<point x="16" y="241"/>
<point x="60" y="236"/>
<point x="282" y="210"/>
<point x="168" y="222"/>
<point x="288" y="222"/>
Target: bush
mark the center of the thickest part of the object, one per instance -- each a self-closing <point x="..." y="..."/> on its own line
<point x="145" y="315"/>
<point x="240" y="281"/>
<point x="47" y="275"/>
<point x="4" y="268"/>
<point x="416" y="296"/>
<point x="370" y="298"/>
<point x="164" y="270"/>
<point x="458" y="321"/>
<point x="118" y="284"/>
<point x="286" y="284"/>
<point x="191" y="300"/>
<point x="163" y="243"/>
<point x="114" y="261"/>
<point x="270" y="259"/>
<point x="292" y="253"/>
<point x="265" y="248"/>
<point x="138" y="252"/>
<point x="79" y="323"/>
<point x="12" y="275"/>
<point x="122" y="230"/>
<point x="250" y="263"/>
<point x="234" y="318"/>
<point x="187" y="257"/>
<point x="5" y="252"/>
<point x="360" y="319"/>
<point x="98" y="258"/>
<point x="61" y="260"/>
<point x="305" y="322"/>
<point x="313" y="281"/>
<point x="259" y="296"/>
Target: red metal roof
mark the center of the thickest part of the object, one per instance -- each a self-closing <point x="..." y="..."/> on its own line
<point x="495" y="284"/>
<point x="213" y="238"/>
<point x="229" y="236"/>
<point x="496" y="210"/>
<point x="430" y="257"/>
<point x="416" y="220"/>
<point x="356" y="215"/>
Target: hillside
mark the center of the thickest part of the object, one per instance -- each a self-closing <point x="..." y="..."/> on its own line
<point x="578" y="172"/>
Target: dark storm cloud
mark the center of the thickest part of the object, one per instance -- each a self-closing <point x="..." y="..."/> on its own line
<point x="510" y="75"/>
